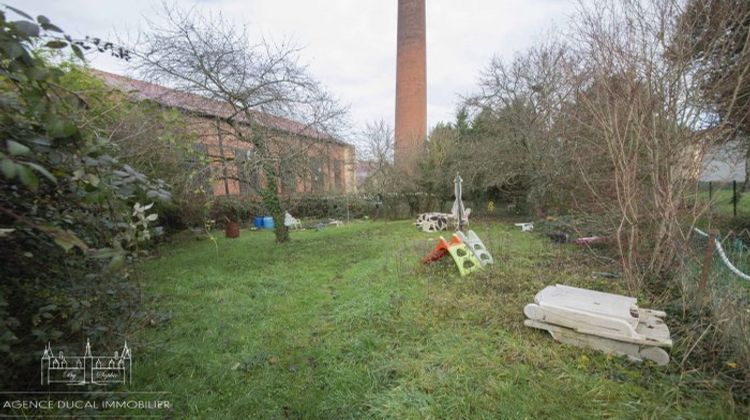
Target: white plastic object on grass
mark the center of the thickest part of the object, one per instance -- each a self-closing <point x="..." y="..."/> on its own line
<point x="471" y="239"/>
<point x="291" y="222"/>
<point x="603" y="321"/>
<point x="526" y="227"/>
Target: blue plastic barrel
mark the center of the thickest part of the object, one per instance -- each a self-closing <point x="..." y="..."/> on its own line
<point x="258" y="222"/>
<point x="268" y="222"/>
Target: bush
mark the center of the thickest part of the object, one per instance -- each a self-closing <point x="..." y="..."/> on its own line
<point x="158" y="142"/>
<point x="356" y="206"/>
<point x="575" y="225"/>
<point x="333" y="206"/>
<point x="72" y="214"/>
<point x="235" y="208"/>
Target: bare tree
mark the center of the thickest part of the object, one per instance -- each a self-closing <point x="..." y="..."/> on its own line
<point x="717" y="35"/>
<point x="640" y="127"/>
<point x="439" y="164"/>
<point x="377" y="154"/>
<point x="267" y="99"/>
<point x="515" y="141"/>
<point x="617" y="115"/>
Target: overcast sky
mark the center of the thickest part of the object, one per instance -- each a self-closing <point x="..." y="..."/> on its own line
<point x="350" y="45"/>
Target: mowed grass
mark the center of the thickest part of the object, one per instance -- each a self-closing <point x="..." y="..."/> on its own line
<point x="345" y="323"/>
<point x="721" y="202"/>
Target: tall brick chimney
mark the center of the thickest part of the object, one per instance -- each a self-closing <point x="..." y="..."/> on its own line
<point x="411" y="92"/>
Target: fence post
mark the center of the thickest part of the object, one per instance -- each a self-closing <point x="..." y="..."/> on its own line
<point x="707" y="260"/>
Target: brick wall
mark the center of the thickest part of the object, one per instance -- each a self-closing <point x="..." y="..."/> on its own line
<point x="319" y="166"/>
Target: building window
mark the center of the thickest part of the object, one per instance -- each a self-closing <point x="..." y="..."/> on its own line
<point x="318" y="175"/>
<point x="338" y="178"/>
<point x="247" y="173"/>
<point x="288" y="178"/>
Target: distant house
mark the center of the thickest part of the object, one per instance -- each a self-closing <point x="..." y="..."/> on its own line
<point x="725" y="162"/>
<point x="331" y="162"/>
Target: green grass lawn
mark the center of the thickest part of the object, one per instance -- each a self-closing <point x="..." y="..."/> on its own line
<point x="346" y="323"/>
<point x="721" y="202"/>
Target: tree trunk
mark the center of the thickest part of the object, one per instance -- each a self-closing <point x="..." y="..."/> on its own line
<point x="746" y="184"/>
<point x="223" y="160"/>
<point x="270" y="194"/>
<point x="271" y="200"/>
<point x="280" y="230"/>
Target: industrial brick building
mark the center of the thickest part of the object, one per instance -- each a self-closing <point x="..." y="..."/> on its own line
<point x="330" y="162"/>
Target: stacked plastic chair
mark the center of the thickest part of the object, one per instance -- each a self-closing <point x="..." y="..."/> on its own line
<point x="476" y="246"/>
<point x="467" y="251"/>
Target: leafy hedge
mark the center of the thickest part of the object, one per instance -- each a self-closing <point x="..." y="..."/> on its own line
<point x="71" y="213"/>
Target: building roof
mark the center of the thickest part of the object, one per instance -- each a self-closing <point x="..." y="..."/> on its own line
<point x="201" y="105"/>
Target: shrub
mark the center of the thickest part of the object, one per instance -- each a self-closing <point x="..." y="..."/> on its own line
<point x="235" y="208"/>
<point x="158" y="142"/>
<point x="72" y="214"/>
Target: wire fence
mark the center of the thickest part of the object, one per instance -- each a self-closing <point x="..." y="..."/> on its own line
<point x="738" y="250"/>
<point x="727" y="198"/>
<point x="723" y="289"/>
